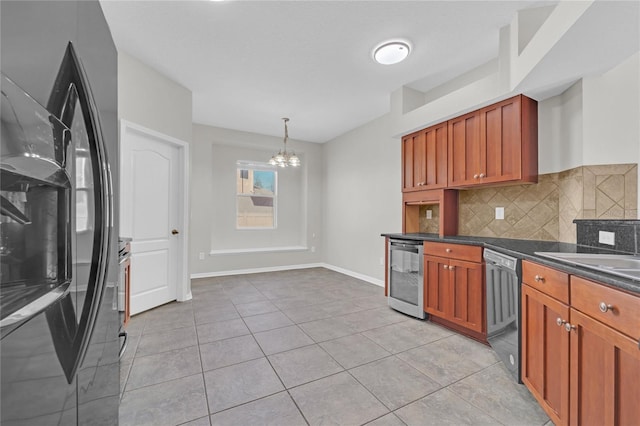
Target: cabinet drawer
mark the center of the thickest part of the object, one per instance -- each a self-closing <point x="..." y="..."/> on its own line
<point x="548" y="280"/>
<point x="621" y="310"/>
<point x="454" y="251"/>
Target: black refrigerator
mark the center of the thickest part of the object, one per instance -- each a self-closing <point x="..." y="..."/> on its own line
<point x="59" y="321"/>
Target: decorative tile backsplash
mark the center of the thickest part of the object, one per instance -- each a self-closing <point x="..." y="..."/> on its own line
<point x="546" y="210"/>
<point x="431" y="226"/>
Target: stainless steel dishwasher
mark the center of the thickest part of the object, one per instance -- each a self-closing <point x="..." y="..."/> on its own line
<point x="405" y="277"/>
<point x="503" y="308"/>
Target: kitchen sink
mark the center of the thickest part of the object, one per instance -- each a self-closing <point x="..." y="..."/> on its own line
<point x="624" y="265"/>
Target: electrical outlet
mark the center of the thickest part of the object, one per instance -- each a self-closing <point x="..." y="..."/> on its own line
<point x="201" y="255"/>
<point x="313" y="249"/>
<point x="608" y="238"/>
<point x="500" y="213"/>
<point x="382" y="260"/>
<point x="429" y="214"/>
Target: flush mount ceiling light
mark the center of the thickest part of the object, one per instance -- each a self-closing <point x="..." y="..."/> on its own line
<point x="284" y="158"/>
<point x="391" y="52"/>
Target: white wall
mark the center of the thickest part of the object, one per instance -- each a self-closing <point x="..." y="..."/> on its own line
<point x="560" y="131"/>
<point x="205" y="141"/>
<point x="291" y="202"/>
<point x="362" y="197"/>
<point x="593" y="122"/>
<point x="611" y="114"/>
<point x="150" y="99"/>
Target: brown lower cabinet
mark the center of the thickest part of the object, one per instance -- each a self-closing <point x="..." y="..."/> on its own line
<point x="578" y="359"/>
<point x="454" y="287"/>
<point x="545" y="352"/>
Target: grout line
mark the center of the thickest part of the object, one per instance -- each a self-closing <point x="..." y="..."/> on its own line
<point x="204" y="381"/>
<point x="276" y="373"/>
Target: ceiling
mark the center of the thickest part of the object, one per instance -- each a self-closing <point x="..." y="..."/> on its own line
<point x="249" y="63"/>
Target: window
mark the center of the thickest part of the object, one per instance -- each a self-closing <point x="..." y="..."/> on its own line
<point x="256" y="187"/>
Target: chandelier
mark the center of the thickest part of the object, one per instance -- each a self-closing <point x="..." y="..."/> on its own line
<point x="284" y="158"/>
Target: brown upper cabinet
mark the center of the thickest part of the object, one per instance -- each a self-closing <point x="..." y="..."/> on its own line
<point x="496" y="144"/>
<point x="424" y="159"/>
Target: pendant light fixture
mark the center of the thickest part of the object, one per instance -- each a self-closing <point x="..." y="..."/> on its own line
<point x="284" y="158"/>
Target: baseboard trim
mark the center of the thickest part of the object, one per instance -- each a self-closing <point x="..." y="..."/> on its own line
<point x="344" y="271"/>
<point x="353" y="274"/>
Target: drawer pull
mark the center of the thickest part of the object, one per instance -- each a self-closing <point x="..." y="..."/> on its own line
<point x="560" y="322"/>
<point x="448" y="250"/>
<point x="605" y="308"/>
<point x="539" y="278"/>
<point x="569" y="327"/>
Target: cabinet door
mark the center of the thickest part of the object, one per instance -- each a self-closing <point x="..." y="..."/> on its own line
<point x="605" y="374"/>
<point x="545" y="352"/>
<point x="464" y="151"/>
<point x="435" y="160"/>
<point x="500" y="141"/>
<point x="436" y="286"/>
<point x="467" y="296"/>
<point x="413" y="161"/>
<point x="407" y="161"/>
<point x="424" y="159"/>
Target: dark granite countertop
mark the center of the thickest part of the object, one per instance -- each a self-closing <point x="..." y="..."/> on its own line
<point x="526" y="249"/>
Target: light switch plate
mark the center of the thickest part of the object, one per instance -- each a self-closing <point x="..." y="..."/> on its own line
<point x="608" y="238"/>
<point x="500" y="213"/>
<point x="429" y="214"/>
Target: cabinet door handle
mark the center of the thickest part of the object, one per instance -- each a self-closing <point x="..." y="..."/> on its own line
<point x="560" y="322"/>
<point x="481" y="175"/>
<point x="475" y="176"/>
<point x="569" y="327"/>
<point x="539" y="278"/>
<point x="451" y="268"/>
<point x="445" y="266"/>
<point x="605" y="308"/>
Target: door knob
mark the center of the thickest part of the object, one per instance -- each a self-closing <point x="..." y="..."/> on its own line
<point x="174" y="232"/>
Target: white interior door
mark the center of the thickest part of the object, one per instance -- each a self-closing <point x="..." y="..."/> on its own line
<point x="152" y="206"/>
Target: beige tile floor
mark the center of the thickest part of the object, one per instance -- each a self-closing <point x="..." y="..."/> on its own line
<point x="308" y="347"/>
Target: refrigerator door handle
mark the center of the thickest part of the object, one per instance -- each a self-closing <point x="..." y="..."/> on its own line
<point x="123" y="348"/>
<point x="71" y="331"/>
